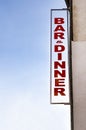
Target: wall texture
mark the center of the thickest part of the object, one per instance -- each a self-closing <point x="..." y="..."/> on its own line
<point x="79" y="20"/>
<point x="79" y="64"/>
<point x="79" y="84"/>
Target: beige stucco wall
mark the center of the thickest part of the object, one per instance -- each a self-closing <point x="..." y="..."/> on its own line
<point x="79" y="84"/>
<point x="79" y="64"/>
<point x="79" y="20"/>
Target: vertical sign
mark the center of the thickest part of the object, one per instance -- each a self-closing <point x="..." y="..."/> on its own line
<point x="59" y="57"/>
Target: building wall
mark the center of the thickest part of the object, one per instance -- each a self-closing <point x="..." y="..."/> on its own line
<point x="79" y="84"/>
<point x="79" y="20"/>
<point x="79" y="64"/>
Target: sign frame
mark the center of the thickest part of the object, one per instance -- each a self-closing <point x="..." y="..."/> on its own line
<point x="69" y="56"/>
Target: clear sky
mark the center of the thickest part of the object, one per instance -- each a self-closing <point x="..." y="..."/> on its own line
<point x="24" y="67"/>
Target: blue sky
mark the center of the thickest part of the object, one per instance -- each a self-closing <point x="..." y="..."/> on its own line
<point x="24" y="67"/>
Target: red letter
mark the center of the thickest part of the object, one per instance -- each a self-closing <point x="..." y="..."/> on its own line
<point x="58" y="20"/>
<point x="59" y="35"/>
<point x="62" y="74"/>
<point x="59" y="48"/>
<point x="59" y="82"/>
<point x="59" y="56"/>
<point x="59" y="28"/>
<point x="59" y="41"/>
<point x="59" y="91"/>
<point x="56" y="64"/>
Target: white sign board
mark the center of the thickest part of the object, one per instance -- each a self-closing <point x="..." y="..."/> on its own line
<point x="59" y="57"/>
